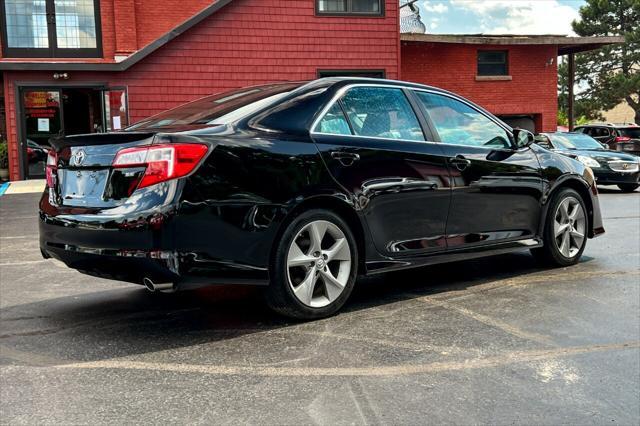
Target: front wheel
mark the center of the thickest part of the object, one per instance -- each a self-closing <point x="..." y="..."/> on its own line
<point x="314" y="267"/>
<point x="565" y="231"/>
<point x="628" y="187"/>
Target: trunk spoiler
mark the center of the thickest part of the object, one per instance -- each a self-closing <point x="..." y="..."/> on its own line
<point x="61" y="142"/>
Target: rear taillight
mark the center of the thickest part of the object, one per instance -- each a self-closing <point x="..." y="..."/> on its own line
<point x="52" y="167"/>
<point x="162" y="162"/>
<point x="622" y="139"/>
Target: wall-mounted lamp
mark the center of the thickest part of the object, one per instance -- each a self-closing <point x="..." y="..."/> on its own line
<point x="61" y="75"/>
<point x="550" y="62"/>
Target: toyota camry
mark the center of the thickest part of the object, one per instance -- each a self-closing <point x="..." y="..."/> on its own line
<point x="302" y="187"/>
<point x="609" y="167"/>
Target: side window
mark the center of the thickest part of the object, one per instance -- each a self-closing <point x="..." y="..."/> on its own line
<point x="334" y="122"/>
<point x="381" y="112"/>
<point x="601" y="132"/>
<point x="543" y="141"/>
<point x="459" y="124"/>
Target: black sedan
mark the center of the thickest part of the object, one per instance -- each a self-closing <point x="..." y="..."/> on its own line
<point x="301" y="187"/>
<point x="609" y="167"/>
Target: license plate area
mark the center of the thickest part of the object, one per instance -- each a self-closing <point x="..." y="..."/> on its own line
<point x="83" y="187"/>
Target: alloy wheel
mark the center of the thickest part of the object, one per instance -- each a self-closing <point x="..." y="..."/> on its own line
<point x="569" y="227"/>
<point x="318" y="263"/>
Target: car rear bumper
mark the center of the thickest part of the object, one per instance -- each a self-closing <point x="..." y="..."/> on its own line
<point x="161" y="244"/>
<point x="92" y="252"/>
<point x="631" y="147"/>
<point x="131" y="267"/>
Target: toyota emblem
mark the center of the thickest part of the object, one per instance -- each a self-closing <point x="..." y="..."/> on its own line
<point x="78" y="158"/>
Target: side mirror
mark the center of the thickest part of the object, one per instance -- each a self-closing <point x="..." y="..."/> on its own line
<point x="605" y="146"/>
<point x="522" y="138"/>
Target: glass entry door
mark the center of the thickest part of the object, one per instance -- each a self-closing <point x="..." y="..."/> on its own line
<point x="53" y="112"/>
<point x="116" y="116"/>
<point x="42" y="120"/>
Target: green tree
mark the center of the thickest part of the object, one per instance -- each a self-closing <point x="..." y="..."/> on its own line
<point x="612" y="73"/>
<point x="584" y="108"/>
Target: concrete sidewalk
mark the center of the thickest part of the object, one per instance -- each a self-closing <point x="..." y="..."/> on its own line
<point x="23" y="187"/>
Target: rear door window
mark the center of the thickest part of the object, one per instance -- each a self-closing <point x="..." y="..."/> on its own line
<point x="382" y="113"/>
<point x="334" y="122"/>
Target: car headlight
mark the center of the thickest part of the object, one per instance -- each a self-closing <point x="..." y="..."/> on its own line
<point x="587" y="161"/>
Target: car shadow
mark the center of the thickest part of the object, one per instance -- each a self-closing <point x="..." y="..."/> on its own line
<point x="130" y="321"/>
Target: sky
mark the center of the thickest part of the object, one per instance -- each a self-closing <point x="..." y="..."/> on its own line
<point x="499" y="16"/>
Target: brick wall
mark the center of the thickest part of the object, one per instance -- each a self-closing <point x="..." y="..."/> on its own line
<point x="247" y="42"/>
<point x="531" y="91"/>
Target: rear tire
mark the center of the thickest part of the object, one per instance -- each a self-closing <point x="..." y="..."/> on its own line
<point x="314" y="267"/>
<point x="565" y="230"/>
<point x="628" y="187"/>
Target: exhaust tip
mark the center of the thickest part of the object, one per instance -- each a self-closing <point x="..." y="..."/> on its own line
<point x="149" y="284"/>
<point x="161" y="287"/>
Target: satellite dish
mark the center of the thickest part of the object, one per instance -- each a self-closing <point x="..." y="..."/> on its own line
<point x="410" y="21"/>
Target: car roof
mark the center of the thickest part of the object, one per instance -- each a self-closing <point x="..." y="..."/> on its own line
<point x="344" y="81"/>
<point x="610" y="125"/>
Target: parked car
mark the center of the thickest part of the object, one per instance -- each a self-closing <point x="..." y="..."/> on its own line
<point x="609" y="167"/>
<point x="621" y="137"/>
<point x="301" y="187"/>
<point x="36" y="152"/>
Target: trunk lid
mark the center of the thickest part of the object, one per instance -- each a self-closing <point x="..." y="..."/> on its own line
<point x="85" y="176"/>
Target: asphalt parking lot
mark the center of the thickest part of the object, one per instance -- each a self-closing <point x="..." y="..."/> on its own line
<point x="495" y="340"/>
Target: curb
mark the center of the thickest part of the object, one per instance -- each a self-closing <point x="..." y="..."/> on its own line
<point x="23" y="187"/>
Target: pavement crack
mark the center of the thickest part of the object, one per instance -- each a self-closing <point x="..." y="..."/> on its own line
<point x="518" y="357"/>
<point x="508" y="328"/>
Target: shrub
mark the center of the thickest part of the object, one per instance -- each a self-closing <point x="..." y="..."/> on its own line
<point x="4" y="155"/>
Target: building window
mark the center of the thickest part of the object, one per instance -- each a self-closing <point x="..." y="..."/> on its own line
<point x="51" y="28"/>
<point x="493" y="62"/>
<point x="350" y="7"/>
<point x="351" y="73"/>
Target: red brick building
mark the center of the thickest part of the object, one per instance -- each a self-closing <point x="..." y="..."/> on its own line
<point x="78" y="66"/>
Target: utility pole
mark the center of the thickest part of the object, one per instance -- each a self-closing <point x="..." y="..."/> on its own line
<point x="571" y="81"/>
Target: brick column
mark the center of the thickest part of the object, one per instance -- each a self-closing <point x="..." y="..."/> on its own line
<point x="124" y="13"/>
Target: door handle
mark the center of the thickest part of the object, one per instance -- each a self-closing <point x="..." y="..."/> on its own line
<point x="345" y="158"/>
<point x="460" y="162"/>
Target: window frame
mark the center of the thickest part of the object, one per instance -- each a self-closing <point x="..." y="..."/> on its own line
<point x="379" y="14"/>
<point x="425" y="126"/>
<point x="53" y="51"/>
<point x="487" y="115"/>
<point x="506" y="62"/>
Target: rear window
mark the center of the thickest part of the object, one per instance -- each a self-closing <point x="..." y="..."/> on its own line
<point x="633" y="132"/>
<point x="218" y="109"/>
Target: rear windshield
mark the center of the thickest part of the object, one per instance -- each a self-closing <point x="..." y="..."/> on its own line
<point x="574" y="141"/>
<point x="218" y="109"/>
<point x="633" y="132"/>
